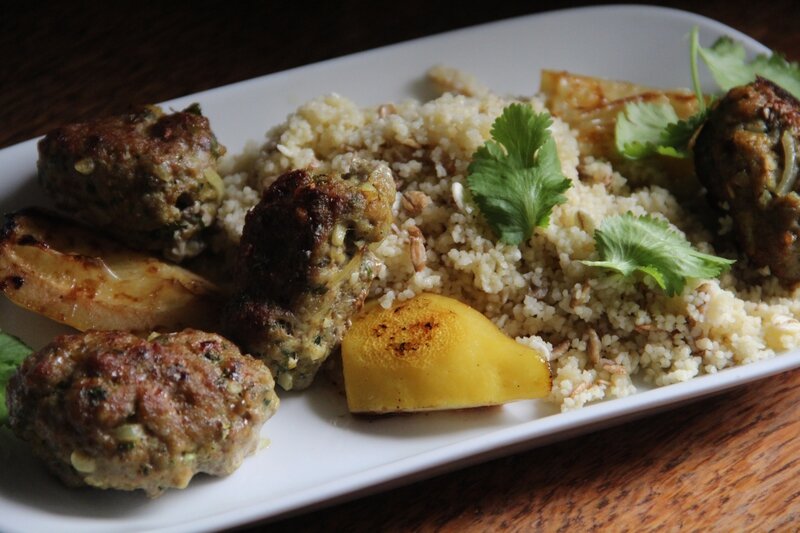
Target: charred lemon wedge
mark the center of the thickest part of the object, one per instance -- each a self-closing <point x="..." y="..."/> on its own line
<point x="433" y="352"/>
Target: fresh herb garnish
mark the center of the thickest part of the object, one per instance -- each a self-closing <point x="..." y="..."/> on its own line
<point x="628" y="244"/>
<point x="515" y="178"/>
<point x="646" y="129"/>
<point x="12" y="352"/>
<point x="727" y="61"/>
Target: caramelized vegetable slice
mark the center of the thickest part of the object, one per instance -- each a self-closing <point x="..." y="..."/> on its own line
<point x="434" y="352"/>
<point x="70" y="274"/>
<point x="590" y="106"/>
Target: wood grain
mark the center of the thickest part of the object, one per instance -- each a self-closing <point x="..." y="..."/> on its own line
<point x="62" y="61"/>
<point x="729" y="463"/>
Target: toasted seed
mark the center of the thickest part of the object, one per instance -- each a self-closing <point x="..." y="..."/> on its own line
<point x="416" y="242"/>
<point x="594" y="346"/>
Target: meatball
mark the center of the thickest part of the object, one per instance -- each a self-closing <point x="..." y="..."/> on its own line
<point x="746" y="156"/>
<point x="147" y="178"/>
<point x="112" y="410"/>
<point x="305" y="266"/>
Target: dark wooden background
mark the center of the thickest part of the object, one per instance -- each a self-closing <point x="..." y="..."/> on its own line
<point x="60" y="61"/>
<point x="728" y="463"/>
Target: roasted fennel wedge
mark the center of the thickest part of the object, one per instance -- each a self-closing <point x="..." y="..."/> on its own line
<point x="590" y="106"/>
<point x="66" y="272"/>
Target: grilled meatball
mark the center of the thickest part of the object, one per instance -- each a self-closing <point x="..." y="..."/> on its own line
<point x="305" y="266"/>
<point x="147" y="178"/>
<point x="746" y="156"/>
<point x="112" y="410"/>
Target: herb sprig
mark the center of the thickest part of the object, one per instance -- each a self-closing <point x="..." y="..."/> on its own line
<point x="629" y="244"/>
<point x="515" y="178"/>
<point x="727" y="62"/>
<point x="644" y="129"/>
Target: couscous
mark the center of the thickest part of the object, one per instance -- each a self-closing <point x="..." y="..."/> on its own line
<point x="600" y="332"/>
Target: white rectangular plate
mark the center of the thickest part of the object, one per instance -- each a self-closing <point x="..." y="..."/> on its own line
<point x="318" y="452"/>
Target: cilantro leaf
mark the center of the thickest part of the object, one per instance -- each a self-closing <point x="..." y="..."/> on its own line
<point x="628" y="244"/>
<point x="644" y="129"/>
<point x="726" y="59"/>
<point x="12" y="353"/>
<point x="777" y="69"/>
<point x="639" y="127"/>
<point x="515" y="178"/>
<point x="677" y="136"/>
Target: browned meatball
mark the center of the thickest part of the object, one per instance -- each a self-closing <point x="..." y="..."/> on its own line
<point x="746" y="155"/>
<point x="112" y="410"/>
<point x="305" y="266"/>
<point x="147" y="178"/>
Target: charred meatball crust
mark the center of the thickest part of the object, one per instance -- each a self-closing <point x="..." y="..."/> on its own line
<point x="147" y="178"/>
<point x="305" y="266"/>
<point x="113" y="410"/>
<point x="746" y="156"/>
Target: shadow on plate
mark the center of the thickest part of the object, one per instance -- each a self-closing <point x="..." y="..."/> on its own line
<point x="329" y="403"/>
<point x="25" y="480"/>
<point x="34" y="329"/>
<point x="28" y="193"/>
<point x="422" y="89"/>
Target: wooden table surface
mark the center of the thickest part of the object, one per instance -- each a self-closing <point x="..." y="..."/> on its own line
<point x="727" y="463"/>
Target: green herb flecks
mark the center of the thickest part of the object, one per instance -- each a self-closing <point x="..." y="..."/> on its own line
<point x="515" y="178"/>
<point x="628" y="244"/>
<point x="12" y="352"/>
